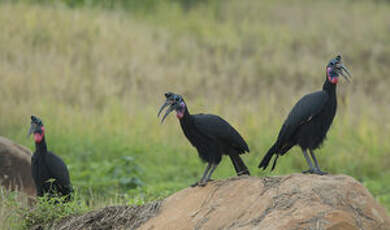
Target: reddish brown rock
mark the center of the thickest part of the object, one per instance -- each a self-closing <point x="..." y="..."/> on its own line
<point x="15" y="167"/>
<point x="331" y="202"/>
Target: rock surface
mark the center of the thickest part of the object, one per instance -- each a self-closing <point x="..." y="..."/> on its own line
<point x="331" y="202"/>
<point x="292" y="202"/>
<point x="15" y="167"/>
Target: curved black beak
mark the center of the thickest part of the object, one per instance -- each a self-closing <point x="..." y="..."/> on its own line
<point x="30" y="131"/>
<point x="342" y="69"/>
<point x="162" y="108"/>
<point x="172" y="106"/>
<point x="171" y="102"/>
<point x="169" y="110"/>
<point x="348" y="77"/>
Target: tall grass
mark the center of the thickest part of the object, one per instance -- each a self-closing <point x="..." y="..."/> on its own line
<point x="97" y="79"/>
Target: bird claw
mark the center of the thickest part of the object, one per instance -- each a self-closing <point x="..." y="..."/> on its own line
<point x="319" y="172"/>
<point x="315" y="171"/>
<point x="201" y="183"/>
<point x="195" y="184"/>
<point x="242" y="173"/>
<point x="311" y="171"/>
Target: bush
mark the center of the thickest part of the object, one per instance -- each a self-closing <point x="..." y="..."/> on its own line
<point x="48" y="210"/>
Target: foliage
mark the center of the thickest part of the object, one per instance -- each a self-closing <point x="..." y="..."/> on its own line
<point x="48" y="210"/>
<point x="21" y="212"/>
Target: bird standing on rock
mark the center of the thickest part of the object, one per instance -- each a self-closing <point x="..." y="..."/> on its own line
<point x="211" y="135"/>
<point x="310" y="119"/>
<point x="49" y="171"/>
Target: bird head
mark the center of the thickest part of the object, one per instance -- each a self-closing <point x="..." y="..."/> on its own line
<point x="175" y="102"/>
<point x="336" y="67"/>
<point x="37" y="129"/>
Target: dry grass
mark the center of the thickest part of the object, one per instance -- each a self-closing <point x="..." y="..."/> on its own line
<point x="112" y="217"/>
<point x="88" y="58"/>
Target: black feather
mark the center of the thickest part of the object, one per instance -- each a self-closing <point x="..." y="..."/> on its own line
<point x="307" y="124"/>
<point x="213" y="137"/>
<point x="50" y="174"/>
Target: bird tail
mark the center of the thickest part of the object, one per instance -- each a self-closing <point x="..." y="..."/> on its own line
<point x="239" y="165"/>
<point x="267" y="158"/>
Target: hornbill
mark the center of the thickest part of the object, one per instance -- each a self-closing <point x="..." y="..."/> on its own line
<point x="211" y="135"/>
<point x="309" y="120"/>
<point x="49" y="171"/>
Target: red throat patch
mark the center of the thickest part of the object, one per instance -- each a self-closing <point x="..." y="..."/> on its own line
<point x="39" y="136"/>
<point x="333" y="80"/>
<point x="179" y="114"/>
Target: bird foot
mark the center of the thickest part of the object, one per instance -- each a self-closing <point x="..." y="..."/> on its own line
<point x="319" y="172"/>
<point x="195" y="184"/>
<point x="311" y="171"/>
<point x="315" y="171"/>
<point x="201" y="183"/>
<point x="242" y="173"/>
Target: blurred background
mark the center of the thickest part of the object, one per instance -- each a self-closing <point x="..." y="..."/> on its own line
<point x="96" y="71"/>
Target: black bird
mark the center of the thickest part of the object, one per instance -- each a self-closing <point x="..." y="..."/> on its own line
<point x="309" y="120"/>
<point x="49" y="171"/>
<point x="211" y="135"/>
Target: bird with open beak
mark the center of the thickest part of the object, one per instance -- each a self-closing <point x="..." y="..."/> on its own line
<point x="175" y="103"/>
<point x="335" y="68"/>
<point x="211" y="135"/>
<point x="309" y="120"/>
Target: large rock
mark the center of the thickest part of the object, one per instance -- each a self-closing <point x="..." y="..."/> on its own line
<point x="15" y="167"/>
<point x="293" y="202"/>
<point x="331" y="202"/>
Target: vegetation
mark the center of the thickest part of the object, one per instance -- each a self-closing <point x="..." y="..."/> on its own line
<point x="17" y="212"/>
<point x="97" y="78"/>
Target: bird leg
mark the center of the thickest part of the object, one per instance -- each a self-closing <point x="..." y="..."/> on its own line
<point x="203" y="177"/>
<point x="204" y="181"/>
<point x="317" y="169"/>
<point x="236" y="167"/>
<point x="311" y="168"/>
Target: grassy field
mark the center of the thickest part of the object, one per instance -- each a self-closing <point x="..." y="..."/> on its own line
<point x="97" y="77"/>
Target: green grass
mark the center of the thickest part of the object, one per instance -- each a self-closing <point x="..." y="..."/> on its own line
<point x="97" y="77"/>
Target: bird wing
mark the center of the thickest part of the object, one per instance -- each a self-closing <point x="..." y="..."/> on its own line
<point x="303" y="111"/>
<point x="59" y="171"/>
<point x="215" y="127"/>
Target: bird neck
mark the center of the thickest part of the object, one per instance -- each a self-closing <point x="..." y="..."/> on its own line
<point x="186" y="117"/>
<point x="329" y="87"/>
<point x="41" y="147"/>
